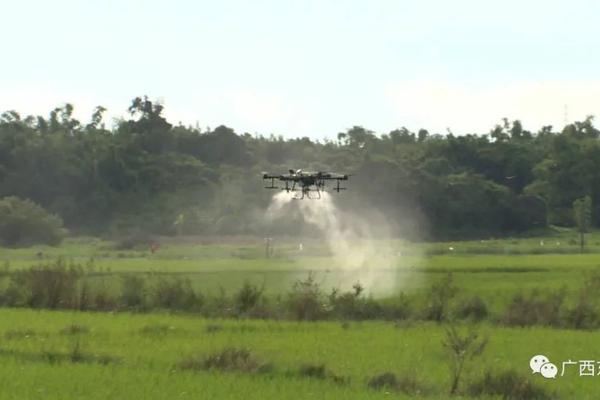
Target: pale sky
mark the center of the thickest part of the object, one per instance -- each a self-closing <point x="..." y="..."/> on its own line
<point x="308" y="68"/>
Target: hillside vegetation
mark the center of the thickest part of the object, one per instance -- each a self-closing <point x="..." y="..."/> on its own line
<point x="145" y="174"/>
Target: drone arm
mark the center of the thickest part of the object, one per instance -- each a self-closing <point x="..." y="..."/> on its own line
<point x="338" y="177"/>
<point x="272" y="186"/>
<point x="266" y="175"/>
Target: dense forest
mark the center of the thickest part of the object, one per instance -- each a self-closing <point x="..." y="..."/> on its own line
<point x="146" y="174"/>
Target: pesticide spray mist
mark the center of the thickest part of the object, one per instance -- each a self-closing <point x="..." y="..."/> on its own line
<point x="354" y="239"/>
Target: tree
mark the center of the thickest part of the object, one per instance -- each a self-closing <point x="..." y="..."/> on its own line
<point x="357" y="136"/>
<point x="97" y="116"/>
<point x="461" y="349"/>
<point x="145" y="172"/>
<point x="402" y="135"/>
<point x="22" y="222"/>
<point x="582" y="209"/>
<point x="150" y="129"/>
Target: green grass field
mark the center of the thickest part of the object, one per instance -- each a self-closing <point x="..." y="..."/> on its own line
<point x="494" y="269"/>
<point x="146" y="348"/>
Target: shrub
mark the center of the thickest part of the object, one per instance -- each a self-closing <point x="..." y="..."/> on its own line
<point x="438" y="299"/>
<point x="229" y="359"/>
<point x="248" y="298"/>
<point x="133" y="293"/>
<point x="84" y="300"/>
<point x="535" y="309"/>
<point x="354" y="306"/>
<point x="22" y="222"/>
<point x="103" y="301"/>
<point x="584" y="314"/>
<point x="397" y="308"/>
<point x="305" y="300"/>
<point x="174" y="294"/>
<point x="76" y="354"/>
<point x="386" y="380"/>
<point x="390" y="382"/>
<point x="508" y="385"/>
<point x="218" y="306"/>
<point x="52" y="285"/>
<point x="15" y="295"/>
<point x="319" y="371"/>
<point x="313" y="371"/>
<point x="473" y="308"/>
<point x="461" y="349"/>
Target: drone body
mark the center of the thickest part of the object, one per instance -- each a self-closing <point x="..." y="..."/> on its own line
<point x="305" y="182"/>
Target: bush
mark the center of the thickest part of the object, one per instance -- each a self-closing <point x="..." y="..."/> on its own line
<point x="103" y="300"/>
<point x="535" y="309"/>
<point x="438" y="299"/>
<point x="319" y="371"/>
<point x="22" y="223"/>
<point x="305" y="301"/>
<point x="229" y="359"/>
<point x="248" y="298"/>
<point x="397" y="308"/>
<point x="133" y="292"/>
<point x="389" y="381"/>
<point x="584" y="314"/>
<point x="313" y="371"/>
<point x="175" y="294"/>
<point x="219" y="306"/>
<point x="352" y="305"/>
<point x="508" y="385"/>
<point x="461" y="348"/>
<point x="473" y="308"/>
<point x="84" y="300"/>
<point x="15" y="295"/>
<point x="51" y="285"/>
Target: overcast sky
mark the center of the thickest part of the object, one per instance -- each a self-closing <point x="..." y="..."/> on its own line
<point x="308" y="68"/>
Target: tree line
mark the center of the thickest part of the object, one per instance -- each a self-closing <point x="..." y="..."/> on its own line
<point x="147" y="174"/>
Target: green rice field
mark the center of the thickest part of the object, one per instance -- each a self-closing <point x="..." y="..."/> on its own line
<point x="146" y="349"/>
<point x="69" y="354"/>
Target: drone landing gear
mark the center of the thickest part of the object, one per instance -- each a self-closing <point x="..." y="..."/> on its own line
<point x="272" y="186"/>
<point x="305" y="192"/>
<point x="317" y="197"/>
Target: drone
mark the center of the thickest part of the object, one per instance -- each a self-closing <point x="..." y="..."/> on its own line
<point x="305" y="182"/>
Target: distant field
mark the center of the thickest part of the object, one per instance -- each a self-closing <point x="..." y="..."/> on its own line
<point x="145" y="350"/>
<point x="142" y="350"/>
<point x="494" y="269"/>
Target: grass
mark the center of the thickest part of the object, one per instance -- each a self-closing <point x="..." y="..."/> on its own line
<point x="149" y="347"/>
<point x="357" y="352"/>
<point x="95" y="382"/>
<point x="218" y="266"/>
<point x="490" y="269"/>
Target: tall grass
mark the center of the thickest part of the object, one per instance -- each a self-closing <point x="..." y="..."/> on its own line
<point x="58" y="285"/>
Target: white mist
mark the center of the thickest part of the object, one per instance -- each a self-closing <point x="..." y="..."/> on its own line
<point x="358" y="241"/>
